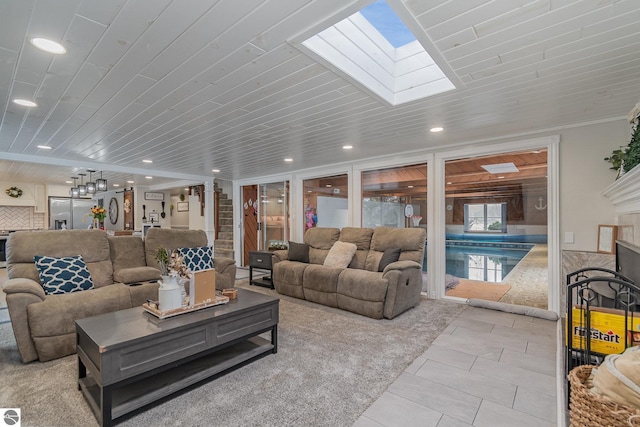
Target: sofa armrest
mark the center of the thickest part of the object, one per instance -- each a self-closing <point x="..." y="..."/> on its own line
<point x="23" y="285"/>
<point x="21" y="293"/>
<point x="404" y="287"/>
<point x="225" y="272"/>
<point x="279" y="255"/>
<point x="401" y="265"/>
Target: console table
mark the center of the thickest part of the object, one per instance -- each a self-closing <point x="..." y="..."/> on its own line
<point x="129" y="358"/>
<point x="261" y="260"/>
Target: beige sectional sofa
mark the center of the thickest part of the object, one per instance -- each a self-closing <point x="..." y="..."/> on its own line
<point x="124" y="274"/>
<point x="360" y="287"/>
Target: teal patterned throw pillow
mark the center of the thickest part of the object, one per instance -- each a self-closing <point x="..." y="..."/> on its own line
<point x="63" y="275"/>
<point x="196" y="259"/>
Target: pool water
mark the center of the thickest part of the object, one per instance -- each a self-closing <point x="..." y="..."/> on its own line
<point x="487" y="262"/>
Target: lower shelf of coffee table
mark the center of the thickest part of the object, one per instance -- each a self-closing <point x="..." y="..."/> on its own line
<point x="140" y="392"/>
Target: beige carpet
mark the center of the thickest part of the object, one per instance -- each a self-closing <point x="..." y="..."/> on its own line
<point x="330" y="367"/>
<point x="478" y="290"/>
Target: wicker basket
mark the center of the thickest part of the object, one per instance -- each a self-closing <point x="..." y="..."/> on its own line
<point x="588" y="409"/>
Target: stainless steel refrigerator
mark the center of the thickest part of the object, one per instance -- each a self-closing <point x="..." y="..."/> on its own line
<point x="67" y="213"/>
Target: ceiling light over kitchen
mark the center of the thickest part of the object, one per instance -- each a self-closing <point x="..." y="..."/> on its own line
<point x="48" y="45"/>
<point x="215" y="170"/>
<point x="82" y="189"/>
<point x="347" y="147"/>
<point x="91" y="186"/>
<point x="436" y="129"/>
<point x="147" y="161"/>
<point x="101" y="184"/>
<point x="130" y="182"/>
<point x="44" y="147"/>
<point x="149" y="177"/>
<point x="25" y="102"/>
<point x="116" y="185"/>
<point x="288" y="159"/>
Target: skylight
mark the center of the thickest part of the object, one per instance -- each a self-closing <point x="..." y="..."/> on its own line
<point x="497" y="168"/>
<point x="374" y="48"/>
<point x="381" y="16"/>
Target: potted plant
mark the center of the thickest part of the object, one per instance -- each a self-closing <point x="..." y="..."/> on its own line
<point x="626" y="157"/>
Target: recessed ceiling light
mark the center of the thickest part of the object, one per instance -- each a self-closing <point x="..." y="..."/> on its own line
<point x="347" y="147"/>
<point x="186" y="188"/>
<point x="215" y="170"/>
<point x="25" y="102"/>
<point x="501" y="177"/>
<point x="68" y="182"/>
<point x="44" y="147"/>
<point x="449" y="183"/>
<point x="409" y="186"/>
<point x="328" y="185"/>
<point x="147" y="161"/>
<point x="309" y="191"/>
<point x="149" y="177"/>
<point x="288" y="159"/>
<point x="48" y="46"/>
<point x="116" y="185"/>
<point x="436" y="129"/>
<point x="130" y="182"/>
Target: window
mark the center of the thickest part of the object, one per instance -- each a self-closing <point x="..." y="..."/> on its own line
<point x="488" y="217"/>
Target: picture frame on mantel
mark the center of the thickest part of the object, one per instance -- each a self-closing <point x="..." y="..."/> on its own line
<point x="607" y="235"/>
<point x="183" y="206"/>
<point x="154" y="196"/>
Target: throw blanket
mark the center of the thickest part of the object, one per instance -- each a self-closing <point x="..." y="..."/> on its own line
<point x="618" y="378"/>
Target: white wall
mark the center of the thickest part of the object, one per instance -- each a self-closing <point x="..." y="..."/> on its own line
<point x="583" y="175"/>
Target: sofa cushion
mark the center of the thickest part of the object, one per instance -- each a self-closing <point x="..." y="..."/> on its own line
<point x="93" y="245"/>
<point x="298" y="252"/>
<point x="63" y="275"/>
<point x="362" y="239"/>
<point x="171" y="240"/>
<point x="287" y="278"/>
<point x="136" y="274"/>
<point x="198" y="258"/>
<point x="390" y="255"/>
<point x="362" y="292"/>
<point x="320" y="284"/>
<point x="340" y="255"/>
<point x="320" y="240"/>
<point x="410" y="241"/>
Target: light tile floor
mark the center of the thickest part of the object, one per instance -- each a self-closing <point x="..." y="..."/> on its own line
<point x="488" y="368"/>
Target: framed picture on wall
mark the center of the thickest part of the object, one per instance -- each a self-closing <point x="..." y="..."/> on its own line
<point x="153" y="196"/>
<point x="607" y="235"/>
<point x="183" y="206"/>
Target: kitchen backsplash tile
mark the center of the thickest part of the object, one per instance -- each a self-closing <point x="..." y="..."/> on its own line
<point x="20" y="218"/>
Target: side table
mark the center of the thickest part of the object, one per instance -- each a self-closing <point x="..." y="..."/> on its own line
<point x="261" y="260"/>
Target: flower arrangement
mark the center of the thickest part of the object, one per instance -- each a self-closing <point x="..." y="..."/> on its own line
<point x="172" y="264"/>
<point x="99" y="213"/>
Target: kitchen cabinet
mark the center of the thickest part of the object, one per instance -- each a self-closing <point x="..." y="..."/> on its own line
<point x="40" y="196"/>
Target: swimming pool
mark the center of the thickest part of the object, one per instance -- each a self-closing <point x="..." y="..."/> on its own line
<point x="485" y="261"/>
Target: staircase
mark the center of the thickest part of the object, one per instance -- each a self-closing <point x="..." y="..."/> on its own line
<point x="223" y="246"/>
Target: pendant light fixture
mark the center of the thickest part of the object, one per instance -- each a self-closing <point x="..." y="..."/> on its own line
<point x="101" y="184"/>
<point x="73" y="191"/>
<point x="82" y="189"/>
<point x="91" y="186"/>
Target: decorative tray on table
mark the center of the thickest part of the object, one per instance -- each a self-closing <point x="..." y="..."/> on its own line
<point x="151" y="307"/>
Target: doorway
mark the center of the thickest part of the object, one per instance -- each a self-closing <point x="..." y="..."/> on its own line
<point x="265" y="217"/>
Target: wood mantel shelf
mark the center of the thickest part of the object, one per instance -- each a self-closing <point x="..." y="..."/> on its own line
<point x="624" y="193"/>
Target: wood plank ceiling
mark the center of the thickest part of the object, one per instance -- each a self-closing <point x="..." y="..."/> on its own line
<point x="196" y="85"/>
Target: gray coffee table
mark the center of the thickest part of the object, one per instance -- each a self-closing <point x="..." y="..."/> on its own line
<point x="128" y="359"/>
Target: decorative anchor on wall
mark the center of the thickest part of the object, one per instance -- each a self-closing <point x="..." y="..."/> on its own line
<point x="540" y="206"/>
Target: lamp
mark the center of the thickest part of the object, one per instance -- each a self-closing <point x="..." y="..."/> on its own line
<point x="91" y="186"/>
<point x="73" y="191"/>
<point x="101" y="184"/>
<point x="82" y="189"/>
